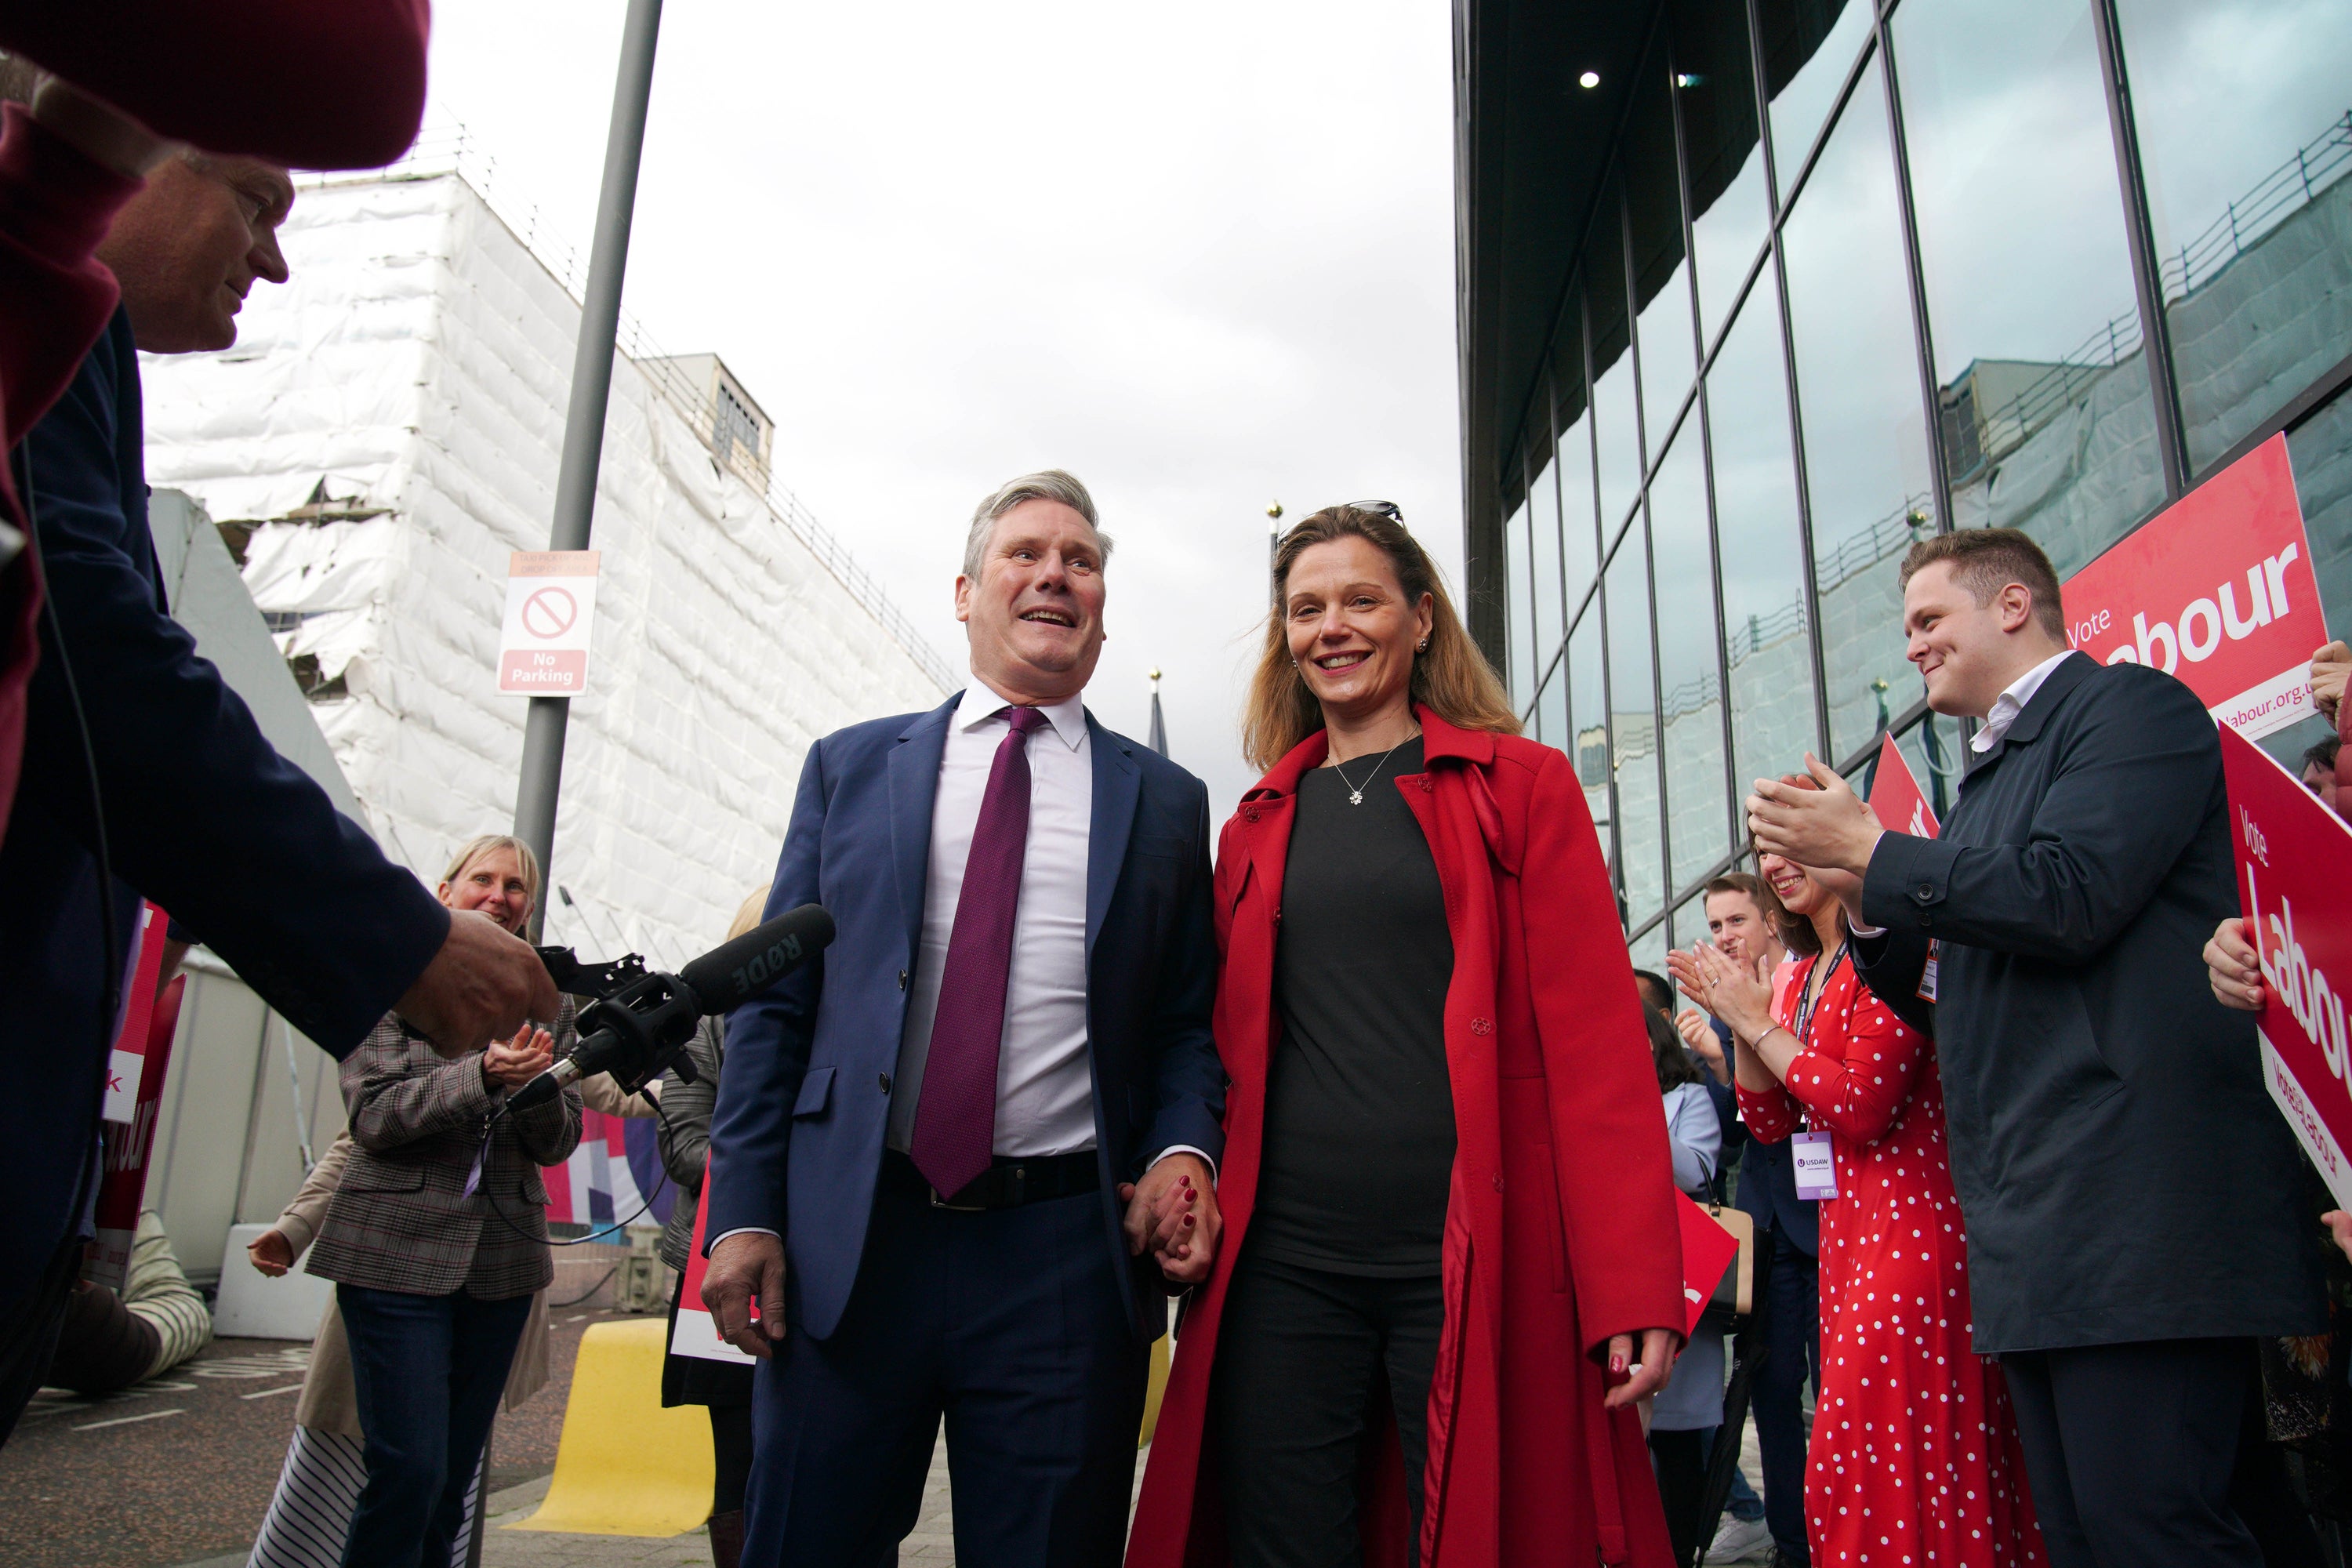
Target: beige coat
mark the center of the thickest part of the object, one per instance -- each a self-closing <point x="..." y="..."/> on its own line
<point x="329" y="1402"/>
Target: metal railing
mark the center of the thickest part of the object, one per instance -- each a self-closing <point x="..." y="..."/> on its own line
<point x="2278" y="195"/>
<point x="452" y="150"/>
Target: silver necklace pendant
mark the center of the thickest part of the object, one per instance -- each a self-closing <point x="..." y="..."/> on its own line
<point x="1356" y="797"/>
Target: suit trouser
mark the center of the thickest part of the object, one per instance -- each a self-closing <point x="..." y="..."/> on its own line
<point x="1010" y="1324"/>
<point x="1792" y="1353"/>
<point x="30" y="1329"/>
<point x="429" y="1371"/>
<point x="2133" y="1452"/>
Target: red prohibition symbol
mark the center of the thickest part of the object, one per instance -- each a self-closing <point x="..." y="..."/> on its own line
<point x="548" y="612"/>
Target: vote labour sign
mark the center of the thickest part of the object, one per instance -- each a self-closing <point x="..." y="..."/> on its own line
<point x="2216" y="589"/>
<point x="551" y="608"/>
<point x="2295" y="860"/>
<point x="1896" y="796"/>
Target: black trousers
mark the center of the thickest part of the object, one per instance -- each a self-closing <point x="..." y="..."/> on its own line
<point x="1792" y="1341"/>
<point x="1679" y="1459"/>
<point x="28" y="1332"/>
<point x="2151" y="1454"/>
<point x="1300" y="1353"/>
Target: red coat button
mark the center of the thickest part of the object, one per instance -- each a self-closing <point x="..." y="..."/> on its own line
<point x="1250" y="816"/>
<point x="1481" y="1026"/>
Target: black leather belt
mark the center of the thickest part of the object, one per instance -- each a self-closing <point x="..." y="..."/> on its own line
<point x="1007" y="1184"/>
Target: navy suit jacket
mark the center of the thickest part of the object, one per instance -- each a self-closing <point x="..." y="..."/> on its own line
<point x="200" y="813"/>
<point x="797" y="1142"/>
<point x="2123" y="1173"/>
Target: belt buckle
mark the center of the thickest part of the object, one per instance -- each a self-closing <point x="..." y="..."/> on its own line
<point x="1020" y="1176"/>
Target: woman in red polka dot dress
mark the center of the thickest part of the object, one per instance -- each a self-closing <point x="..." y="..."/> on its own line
<point x="1913" y="1456"/>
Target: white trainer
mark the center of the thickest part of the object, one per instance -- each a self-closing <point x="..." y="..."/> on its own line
<point x="1739" y="1540"/>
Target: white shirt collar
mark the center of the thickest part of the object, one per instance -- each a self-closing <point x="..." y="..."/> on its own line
<point x="982" y="702"/>
<point x="2012" y="702"/>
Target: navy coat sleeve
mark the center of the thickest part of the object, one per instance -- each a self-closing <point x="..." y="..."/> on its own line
<point x="201" y="813"/>
<point x="1188" y="1074"/>
<point x="2126" y="797"/>
<point x="768" y="1042"/>
<point x="1893" y="964"/>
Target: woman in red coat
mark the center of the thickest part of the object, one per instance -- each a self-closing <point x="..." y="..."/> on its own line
<point x="1447" y="1207"/>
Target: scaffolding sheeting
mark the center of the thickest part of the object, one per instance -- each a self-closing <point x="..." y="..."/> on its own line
<point x="390" y="421"/>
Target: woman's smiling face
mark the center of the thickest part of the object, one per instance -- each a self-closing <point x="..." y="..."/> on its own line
<point x="1349" y="626"/>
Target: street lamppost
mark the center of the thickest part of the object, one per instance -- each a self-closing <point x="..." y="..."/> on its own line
<point x="1273" y="540"/>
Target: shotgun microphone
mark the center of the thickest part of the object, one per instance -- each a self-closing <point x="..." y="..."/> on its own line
<point x="640" y="1028"/>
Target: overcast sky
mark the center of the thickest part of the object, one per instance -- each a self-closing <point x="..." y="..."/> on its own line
<point x="1203" y="258"/>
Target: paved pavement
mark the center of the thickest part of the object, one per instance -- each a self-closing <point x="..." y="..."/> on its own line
<point x="932" y="1544"/>
<point x="180" y="1468"/>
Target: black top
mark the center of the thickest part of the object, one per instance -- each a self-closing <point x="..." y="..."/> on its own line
<point x="1359" y="1112"/>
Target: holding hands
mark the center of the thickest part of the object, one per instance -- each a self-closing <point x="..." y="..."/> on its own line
<point x="1172" y="1213"/>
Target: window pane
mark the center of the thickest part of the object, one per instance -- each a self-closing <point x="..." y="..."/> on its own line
<point x="1613" y="365"/>
<point x="1519" y="612"/>
<point x="1858" y="393"/>
<point x="1589" y="713"/>
<point x="2320" y="451"/>
<point x="2047" y="422"/>
<point x="1809" y="46"/>
<point x="1543" y="523"/>
<point x="1634" y="728"/>
<point x="1648" y="950"/>
<point x="1688" y="922"/>
<point x="1698" y="828"/>
<point x="1551" y="708"/>
<point x="1715" y="92"/>
<point x="2244" y="143"/>
<point x="1764" y="619"/>
<point x="1661" y="282"/>
<point x="1580" y="537"/>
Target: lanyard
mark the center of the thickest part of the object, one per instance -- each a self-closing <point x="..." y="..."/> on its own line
<point x="1805" y="1009"/>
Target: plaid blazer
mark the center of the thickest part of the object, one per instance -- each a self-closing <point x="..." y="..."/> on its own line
<point x="401" y="1219"/>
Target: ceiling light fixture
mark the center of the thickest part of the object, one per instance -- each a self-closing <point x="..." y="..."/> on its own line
<point x="1589" y="79"/>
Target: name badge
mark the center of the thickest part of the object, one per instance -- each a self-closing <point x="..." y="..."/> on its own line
<point x="1928" y="976"/>
<point x="1816" y="1170"/>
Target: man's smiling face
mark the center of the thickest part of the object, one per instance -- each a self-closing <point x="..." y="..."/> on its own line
<point x="1035" y="616"/>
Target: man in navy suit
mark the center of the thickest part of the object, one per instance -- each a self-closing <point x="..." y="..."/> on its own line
<point x="136" y="751"/>
<point x="983" y="1127"/>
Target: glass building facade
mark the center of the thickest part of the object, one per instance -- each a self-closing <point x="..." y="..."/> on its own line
<point x="1816" y="280"/>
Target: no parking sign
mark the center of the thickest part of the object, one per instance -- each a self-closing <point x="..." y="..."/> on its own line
<point x="550" y="609"/>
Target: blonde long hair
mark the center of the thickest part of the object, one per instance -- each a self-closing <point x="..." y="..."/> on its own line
<point x="1451" y="677"/>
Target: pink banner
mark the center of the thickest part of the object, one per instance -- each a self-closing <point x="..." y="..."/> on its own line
<point x="2294" y="860"/>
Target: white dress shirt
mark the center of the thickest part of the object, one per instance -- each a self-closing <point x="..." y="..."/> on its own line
<point x="1044" y="1079"/>
<point x="1044" y="1083"/>
<point x="2012" y="702"/>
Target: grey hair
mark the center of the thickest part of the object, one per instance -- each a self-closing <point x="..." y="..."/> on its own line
<point x="1053" y="484"/>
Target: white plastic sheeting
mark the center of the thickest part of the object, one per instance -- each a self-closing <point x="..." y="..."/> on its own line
<point x="415" y="373"/>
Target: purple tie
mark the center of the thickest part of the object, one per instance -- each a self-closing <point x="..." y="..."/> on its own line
<point x="955" y="1123"/>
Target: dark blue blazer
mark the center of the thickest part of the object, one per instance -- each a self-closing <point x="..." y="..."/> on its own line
<point x="2122" y="1170"/>
<point x="201" y="814"/>
<point x="797" y="1142"/>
